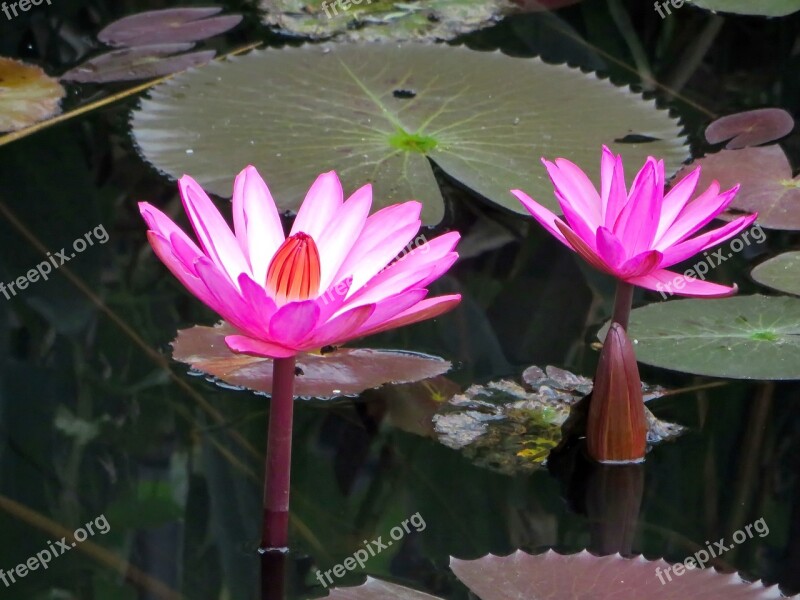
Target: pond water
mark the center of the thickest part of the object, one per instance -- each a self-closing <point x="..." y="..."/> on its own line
<point x="99" y="425"/>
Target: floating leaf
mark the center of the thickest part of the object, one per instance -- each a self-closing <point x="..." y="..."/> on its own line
<point x="382" y="20"/>
<point x="781" y="273"/>
<point x="484" y="118"/>
<point x="766" y="179"/>
<point x="750" y="128"/>
<point x="509" y="428"/>
<point x="341" y="372"/>
<point x="767" y="8"/>
<point x="375" y="589"/>
<point x="27" y="95"/>
<point x="554" y="576"/>
<point x="144" y="62"/>
<point x="744" y="337"/>
<point x="173" y="24"/>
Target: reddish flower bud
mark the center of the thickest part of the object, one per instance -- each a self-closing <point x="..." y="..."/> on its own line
<point x="617" y="427"/>
<point x="294" y="272"/>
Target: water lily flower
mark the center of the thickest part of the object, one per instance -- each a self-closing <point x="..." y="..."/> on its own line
<point x="636" y="234"/>
<point x="616" y="429"/>
<point x="331" y="280"/>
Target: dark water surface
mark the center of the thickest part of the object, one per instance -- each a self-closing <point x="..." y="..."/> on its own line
<point x="98" y="425"/>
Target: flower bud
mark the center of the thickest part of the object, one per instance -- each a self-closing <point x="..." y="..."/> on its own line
<point x="616" y="431"/>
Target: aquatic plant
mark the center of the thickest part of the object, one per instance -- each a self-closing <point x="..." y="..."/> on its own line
<point x="334" y="278"/>
<point x="634" y="236"/>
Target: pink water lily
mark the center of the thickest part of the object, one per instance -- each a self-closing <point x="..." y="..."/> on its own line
<point x="636" y="234"/>
<point x="334" y="278"/>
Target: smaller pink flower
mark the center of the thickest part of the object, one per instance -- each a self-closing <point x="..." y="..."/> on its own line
<point x="635" y="235"/>
<point x="332" y="280"/>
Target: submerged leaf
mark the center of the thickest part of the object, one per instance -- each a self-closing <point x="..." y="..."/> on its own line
<point x="484" y="118"/>
<point x="343" y="371"/>
<point x="382" y="20"/>
<point x="781" y="273"/>
<point x="144" y="62"/>
<point x="510" y="428"/>
<point x="750" y="128"/>
<point x="554" y="576"/>
<point x="27" y="95"/>
<point x="744" y="337"/>
<point x="188" y="24"/>
<point x="767" y="186"/>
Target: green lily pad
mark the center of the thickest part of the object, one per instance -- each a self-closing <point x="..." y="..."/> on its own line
<point x="378" y="112"/>
<point x="744" y="337"/>
<point x="380" y="20"/>
<point x="781" y="273"/>
<point x="767" y="8"/>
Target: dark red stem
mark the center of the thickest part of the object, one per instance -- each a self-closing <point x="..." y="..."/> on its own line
<point x="623" y="302"/>
<point x="277" y="467"/>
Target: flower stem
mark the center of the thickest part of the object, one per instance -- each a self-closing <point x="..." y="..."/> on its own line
<point x="277" y="467"/>
<point x="623" y="302"/>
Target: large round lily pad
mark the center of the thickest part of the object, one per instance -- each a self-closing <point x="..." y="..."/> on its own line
<point x="781" y="273"/>
<point x="378" y="112"/>
<point x="744" y="337"/>
<point x="767" y="8"/>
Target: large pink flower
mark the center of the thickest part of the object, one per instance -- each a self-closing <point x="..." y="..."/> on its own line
<point x="636" y="235"/>
<point x="327" y="283"/>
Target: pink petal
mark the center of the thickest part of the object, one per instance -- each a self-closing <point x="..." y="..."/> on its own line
<point x="337" y="239"/>
<point x="684" y="250"/>
<point x="696" y="215"/>
<point x="675" y="201"/>
<point x="339" y="329"/>
<point x="584" y="250"/>
<point x="577" y="189"/>
<point x="215" y="236"/>
<point x="666" y="283"/>
<point x="184" y="274"/>
<point x="293" y="322"/>
<point x="257" y="299"/>
<point x="427" y="309"/>
<point x="637" y="223"/>
<point x="320" y="205"/>
<point x="385" y="235"/>
<point x="229" y="303"/>
<point x="248" y="345"/>
<point x="639" y="265"/>
<point x="160" y="223"/>
<point x="187" y="253"/>
<point x="546" y="219"/>
<point x="392" y="307"/>
<point x="614" y="195"/>
<point x="407" y="272"/>
<point x="256" y="221"/>
<point x="333" y="299"/>
<point x="576" y="221"/>
<point x="610" y="248"/>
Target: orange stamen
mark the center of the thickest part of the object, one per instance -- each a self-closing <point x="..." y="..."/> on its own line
<point x="294" y="271"/>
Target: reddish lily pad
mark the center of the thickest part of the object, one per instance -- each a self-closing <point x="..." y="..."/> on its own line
<point x="765" y="175"/>
<point x="375" y="589"/>
<point x="27" y="95"/>
<point x="344" y="371"/>
<point x="144" y="62"/>
<point x="554" y="576"/>
<point x="750" y="128"/>
<point x="173" y="24"/>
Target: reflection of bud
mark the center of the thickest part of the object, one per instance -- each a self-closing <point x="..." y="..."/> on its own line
<point x="617" y="427"/>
